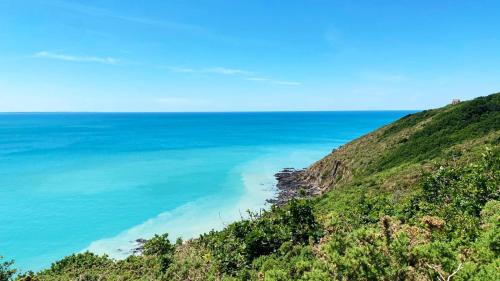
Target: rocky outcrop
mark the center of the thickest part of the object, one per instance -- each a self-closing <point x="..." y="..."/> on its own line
<point x="139" y="246"/>
<point x="291" y="184"/>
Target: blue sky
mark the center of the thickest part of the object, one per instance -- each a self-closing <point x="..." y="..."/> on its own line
<point x="245" y="55"/>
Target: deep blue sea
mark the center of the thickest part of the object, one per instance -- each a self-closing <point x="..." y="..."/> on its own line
<point x="72" y="182"/>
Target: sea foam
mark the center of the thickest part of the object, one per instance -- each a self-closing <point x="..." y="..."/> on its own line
<point x="200" y="216"/>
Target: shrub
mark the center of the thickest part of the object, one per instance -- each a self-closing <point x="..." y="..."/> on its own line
<point x="6" y="272"/>
<point x="160" y="247"/>
<point x="457" y="194"/>
<point x="242" y="242"/>
<point x="465" y="121"/>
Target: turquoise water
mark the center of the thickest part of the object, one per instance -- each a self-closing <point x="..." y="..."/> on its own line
<point x="75" y="182"/>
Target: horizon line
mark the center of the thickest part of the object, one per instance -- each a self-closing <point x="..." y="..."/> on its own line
<point x="243" y="111"/>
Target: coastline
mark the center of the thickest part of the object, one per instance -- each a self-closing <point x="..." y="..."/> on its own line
<point x="290" y="185"/>
<point x="114" y="188"/>
<point x="262" y="189"/>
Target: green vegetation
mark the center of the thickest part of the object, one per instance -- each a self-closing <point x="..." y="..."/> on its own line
<point x="449" y="126"/>
<point x="6" y="272"/>
<point x="236" y="247"/>
<point x="416" y="200"/>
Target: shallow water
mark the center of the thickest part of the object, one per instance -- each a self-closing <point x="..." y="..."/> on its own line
<point x="73" y="182"/>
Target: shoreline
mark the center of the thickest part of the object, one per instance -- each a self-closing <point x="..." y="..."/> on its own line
<point x="291" y="185"/>
<point x="263" y="189"/>
<point x="140" y="183"/>
<point x="288" y="186"/>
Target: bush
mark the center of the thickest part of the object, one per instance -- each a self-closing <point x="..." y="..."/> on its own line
<point x="446" y="128"/>
<point x="6" y="272"/>
<point x="242" y="242"/>
<point x="160" y="247"/>
<point x="457" y="194"/>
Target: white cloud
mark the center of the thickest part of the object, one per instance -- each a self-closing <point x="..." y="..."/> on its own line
<point x="182" y="69"/>
<point x="66" y="57"/>
<point x="245" y="74"/>
<point x="99" y="12"/>
<point x="258" y="79"/>
<point x="290" y="83"/>
<point x="174" y="100"/>
<point x="228" y="71"/>
<point x="272" y="81"/>
<point x="384" y="77"/>
<point x="179" y="101"/>
<point x="215" y="70"/>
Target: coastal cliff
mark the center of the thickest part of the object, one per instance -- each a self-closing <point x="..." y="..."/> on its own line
<point x="414" y="200"/>
<point x="404" y="149"/>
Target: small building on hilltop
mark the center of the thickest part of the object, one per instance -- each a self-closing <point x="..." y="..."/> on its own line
<point x="455" y="101"/>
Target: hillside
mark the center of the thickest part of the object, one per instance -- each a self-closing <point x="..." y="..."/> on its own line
<point x="414" y="200"/>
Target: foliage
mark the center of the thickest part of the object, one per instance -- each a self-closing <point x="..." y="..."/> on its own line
<point x="240" y="243"/>
<point x="457" y="123"/>
<point x="457" y="194"/>
<point x="6" y="272"/>
<point x="160" y="247"/>
<point x="424" y="206"/>
<point x="89" y="266"/>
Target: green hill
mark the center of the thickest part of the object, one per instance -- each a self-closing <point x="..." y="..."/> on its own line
<point x="414" y="200"/>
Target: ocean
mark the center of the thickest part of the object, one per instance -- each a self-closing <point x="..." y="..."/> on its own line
<point x="71" y="182"/>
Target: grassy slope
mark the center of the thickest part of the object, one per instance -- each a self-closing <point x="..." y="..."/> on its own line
<point x="375" y="219"/>
<point x="409" y="143"/>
